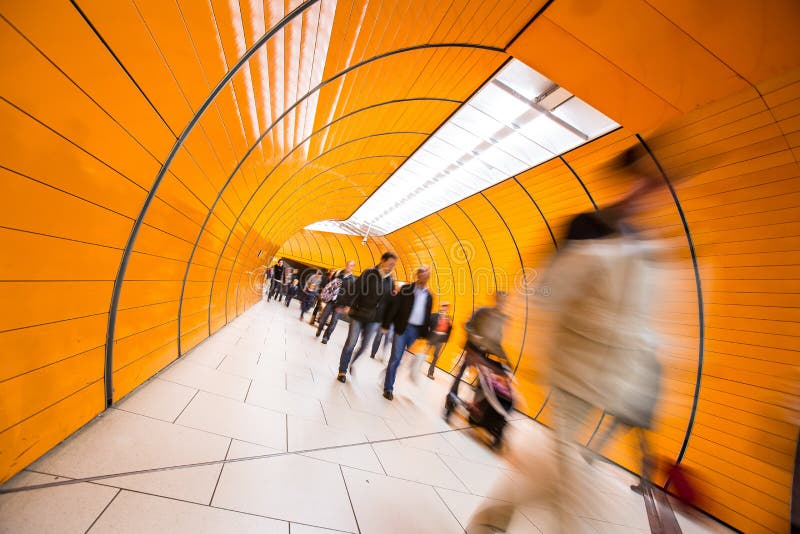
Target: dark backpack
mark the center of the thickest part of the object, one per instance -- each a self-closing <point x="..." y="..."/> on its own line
<point x="331" y="291"/>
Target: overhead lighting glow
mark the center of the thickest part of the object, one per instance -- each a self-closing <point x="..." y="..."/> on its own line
<point x="517" y="120"/>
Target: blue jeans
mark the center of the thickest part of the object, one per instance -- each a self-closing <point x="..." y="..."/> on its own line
<point x="388" y="336"/>
<point x="328" y="311"/>
<point x="356" y="328"/>
<point x="399" y="345"/>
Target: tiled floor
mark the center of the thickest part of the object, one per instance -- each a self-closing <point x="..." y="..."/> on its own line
<point x="250" y="432"/>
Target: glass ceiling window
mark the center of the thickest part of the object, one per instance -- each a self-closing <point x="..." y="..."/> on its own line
<point x="516" y="121"/>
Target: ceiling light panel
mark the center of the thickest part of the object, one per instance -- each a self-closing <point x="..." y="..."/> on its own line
<point x="516" y="121"/>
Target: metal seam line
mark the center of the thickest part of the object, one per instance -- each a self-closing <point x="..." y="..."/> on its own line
<point x="700" y="310"/>
<point x="123" y="267"/>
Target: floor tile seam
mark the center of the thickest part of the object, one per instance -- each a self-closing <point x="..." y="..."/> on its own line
<point x="192" y="428"/>
<point x="199" y="388"/>
<point x="106" y="507"/>
<point x="174" y="421"/>
<point x="451" y="470"/>
<point x="441" y="498"/>
<point x="214" y="507"/>
<point x="372" y="447"/>
<point x="219" y="476"/>
<point x="350" y="499"/>
<point x="417" y="482"/>
<point x="278" y="453"/>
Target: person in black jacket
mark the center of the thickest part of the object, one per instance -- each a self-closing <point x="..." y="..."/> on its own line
<point x="275" y="282"/>
<point x="366" y="307"/>
<point x="410" y="313"/>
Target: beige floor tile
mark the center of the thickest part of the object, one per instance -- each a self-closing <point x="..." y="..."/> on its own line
<point x="60" y="509"/>
<point x="472" y="446"/>
<point x="237" y="420"/>
<point x="297" y="528"/>
<point x="159" y="399"/>
<point x="385" y="505"/>
<point x="291" y="488"/>
<point x="243" y="449"/>
<point x="604" y="527"/>
<point x="374" y="427"/>
<point x="480" y="479"/>
<point x="305" y="434"/>
<point x="692" y="522"/>
<point x="194" y="484"/>
<point x="206" y="355"/>
<point x="464" y="505"/>
<point x="359" y="457"/>
<point x="327" y="391"/>
<point x="253" y="371"/>
<point x="435" y="443"/>
<point x="207" y="379"/>
<point x="136" y="513"/>
<point x="281" y="400"/>
<point x="120" y="442"/>
<point x="416" y="465"/>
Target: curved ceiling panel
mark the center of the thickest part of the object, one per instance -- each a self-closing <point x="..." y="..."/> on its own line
<point x="155" y="156"/>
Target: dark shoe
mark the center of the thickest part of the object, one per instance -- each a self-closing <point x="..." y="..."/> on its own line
<point x="318" y="333"/>
<point x="388" y="395"/>
<point x="372" y="356"/>
<point x="324" y="341"/>
<point x="431" y="376"/>
<point x="341" y="378"/>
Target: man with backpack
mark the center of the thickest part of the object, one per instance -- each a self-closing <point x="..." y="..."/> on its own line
<point x="332" y="295"/>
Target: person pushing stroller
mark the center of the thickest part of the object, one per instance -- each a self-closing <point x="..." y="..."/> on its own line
<point x="484" y="351"/>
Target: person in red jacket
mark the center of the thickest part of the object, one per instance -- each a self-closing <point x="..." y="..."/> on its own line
<point x="441" y="324"/>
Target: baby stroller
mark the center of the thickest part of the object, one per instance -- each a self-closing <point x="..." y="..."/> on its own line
<point x="493" y="397"/>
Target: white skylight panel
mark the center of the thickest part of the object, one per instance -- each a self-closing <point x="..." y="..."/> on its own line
<point x="584" y="117"/>
<point x="503" y="161"/>
<point x="516" y="121"/>
<point x="526" y="150"/>
<point x="499" y="104"/>
<point x="524" y="80"/>
<point x="476" y="121"/>
<point x="551" y="135"/>
<point x="458" y="136"/>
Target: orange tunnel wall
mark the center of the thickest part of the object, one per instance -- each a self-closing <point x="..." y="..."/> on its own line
<point x="154" y="156"/>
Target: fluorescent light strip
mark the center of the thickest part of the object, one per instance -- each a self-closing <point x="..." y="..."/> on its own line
<point x="517" y="120"/>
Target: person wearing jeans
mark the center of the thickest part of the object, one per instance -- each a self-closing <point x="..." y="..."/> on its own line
<point x="410" y="313"/>
<point x="366" y="307"/>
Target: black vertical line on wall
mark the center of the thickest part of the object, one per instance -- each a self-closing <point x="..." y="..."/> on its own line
<point x="485" y="246"/>
<point x="794" y="509"/>
<point x="432" y="263"/>
<point x="528" y="25"/>
<point x="700" y="309"/>
<point x="541" y="214"/>
<point x="344" y="254"/>
<point x="469" y="266"/>
<point x="314" y="237"/>
<point x="123" y="267"/>
<point x="424" y="221"/>
<point x="583" y="185"/>
<point x="121" y="65"/>
<point x="524" y="279"/>
<point x="333" y="256"/>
